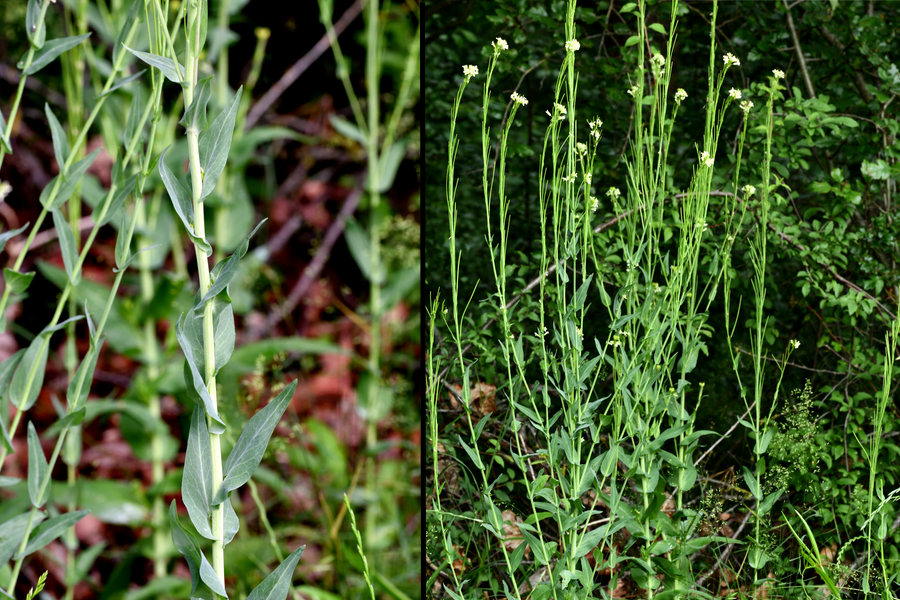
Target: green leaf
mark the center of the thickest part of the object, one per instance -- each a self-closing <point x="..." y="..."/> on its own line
<point x="347" y="129"/>
<point x="766" y="505"/>
<point x="60" y="141"/>
<point x="181" y="201"/>
<point x="34" y="25"/>
<point x="67" y="245"/>
<point x="85" y="374"/>
<point x="51" y="529"/>
<point x="29" y="375"/>
<point x="68" y="183"/>
<point x="17" y="282"/>
<point x="358" y="243"/>
<point x="215" y="142"/>
<point x="8" y="235"/>
<point x="38" y="470"/>
<point x="277" y="584"/>
<point x="223" y="333"/>
<point x="197" y="381"/>
<point x="123" y="82"/>
<point x="878" y="170"/>
<point x="225" y="270"/>
<point x="4" y="137"/>
<point x="12" y="532"/>
<point x="752" y="484"/>
<point x="388" y="165"/>
<point x="400" y="284"/>
<point x="251" y="445"/>
<point x="50" y="51"/>
<point x="632" y="41"/>
<point x="232" y="524"/>
<point x="195" y="115"/>
<point x="629" y="7"/>
<point x="203" y="577"/>
<point x="658" y="27"/>
<point x="196" y="481"/>
<point x="167" y="66"/>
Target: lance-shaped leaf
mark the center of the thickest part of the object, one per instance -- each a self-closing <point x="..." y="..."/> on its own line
<point x="277" y="583"/>
<point x="251" y="445"/>
<point x="223" y="332"/>
<point x="167" y="66"/>
<point x="50" y="51"/>
<point x="215" y="142"/>
<point x="12" y="531"/>
<point x="195" y="115"/>
<point x="203" y="577"/>
<point x="38" y="470"/>
<point x="60" y="141"/>
<point x="68" y="182"/>
<point x="7" y="368"/>
<point x="123" y="82"/>
<point x="29" y="376"/>
<point x="197" y="381"/>
<point x="225" y="270"/>
<point x="80" y="384"/>
<point x="4" y="138"/>
<point x="231" y="522"/>
<point x="50" y="530"/>
<point x="196" y="481"/>
<point x="8" y="235"/>
<point x="34" y="24"/>
<point x="67" y="245"/>
<point x="181" y="201"/>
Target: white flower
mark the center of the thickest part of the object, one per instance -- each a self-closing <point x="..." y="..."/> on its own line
<point x="543" y="333"/>
<point x="746" y="105"/>
<point x="595" y="126"/>
<point x="519" y="98"/>
<point x="578" y="332"/>
<point x="581" y="147"/>
<point x="795" y="344"/>
<point x="595" y="204"/>
<point x="730" y="59"/>
<point x="778" y="73"/>
<point x="571" y="177"/>
<point x="734" y="94"/>
<point x="633" y="90"/>
<point x="706" y="159"/>
<point x="587" y="178"/>
<point x="573" y="46"/>
<point x="748" y="190"/>
<point x="561" y="110"/>
<point x="499" y="45"/>
<point x="680" y="95"/>
<point x="470" y="71"/>
<point x="658" y="60"/>
<point x="613" y="193"/>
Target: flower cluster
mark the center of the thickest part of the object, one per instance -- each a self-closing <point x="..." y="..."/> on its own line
<point x="734" y="94"/>
<point x="746" y="105"/>
<point x="470" y="71"/>
<point x="581" y="148"/>
<point x="748" y="190"/>
<point x="731" y="60"/>
<point x="587" y="178"/>
<point x="706" y="159"/>
<point x="595" y="204"/>
<point x="778" y="73"/>
<point x="680" y="95"/>
<point x="570" y="178"/>
<point x="543" y="332"/>
<point x="633" y="90"/>
<point x="795" y="344"/>
<point x="499" y="46"/>
<point x="595" y="124"/>
<point x="519" y="98"/>
<point x="613" y="193"/>
<point x="658" y="60"/>
<point x="573" y="46"/>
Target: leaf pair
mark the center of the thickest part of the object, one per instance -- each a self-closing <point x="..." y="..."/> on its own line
<point x="197" y="484"/>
